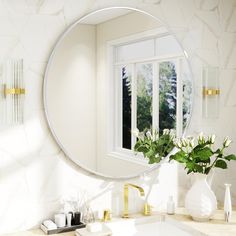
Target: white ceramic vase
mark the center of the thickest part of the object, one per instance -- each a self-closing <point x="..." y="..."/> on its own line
<point x="200" y="201"/>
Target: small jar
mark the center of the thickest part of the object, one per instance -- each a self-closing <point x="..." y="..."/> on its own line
<point x="60" y="220"/>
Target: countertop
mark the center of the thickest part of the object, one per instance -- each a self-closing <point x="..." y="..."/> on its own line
<point x="215" y="227"/>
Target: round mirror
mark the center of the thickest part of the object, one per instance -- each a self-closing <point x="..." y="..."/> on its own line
<point x="111" y="72"/>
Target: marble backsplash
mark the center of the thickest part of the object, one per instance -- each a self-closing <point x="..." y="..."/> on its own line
<point x="34" y="173"/>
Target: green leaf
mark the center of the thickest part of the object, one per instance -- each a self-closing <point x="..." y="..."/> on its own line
<point x="179" y="156"/>
<point x="150" y="154"/>
<point x="204" y="154"/>
<point x="231" y="157"/>
<point x="142" y="149"/>
<point x="218" y="151"/>
<point x="207" y="170"/>
<point x="221" y="164"/>
<point x="198" y="168"/>
<point x="151" y="161"/>
<point x="189" y="171"/>
<point x="190" y="166"/>
<point x="158" y="159"/>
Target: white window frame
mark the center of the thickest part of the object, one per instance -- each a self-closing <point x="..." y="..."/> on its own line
<point x="114" y="136"/>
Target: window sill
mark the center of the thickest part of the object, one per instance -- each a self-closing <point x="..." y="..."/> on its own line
<point x="130" y="156"/>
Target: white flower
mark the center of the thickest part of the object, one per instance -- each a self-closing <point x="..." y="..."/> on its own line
<point x="179" y="144"/>
<point x="201" y="138"/>
<point x="148" y="134"/>
<point x="191" y="143"/>
<point x="226" y="142"/>
<point x="155" y="135"/>
<point x="135" y="132"/>
<point x="212" y="138"/>
<point x="172" y="134"/>
<point x="166" y="131"/>
<point x="157" y="155"/>
<point x="184" y="142"/>
<point x="141" y="136"/>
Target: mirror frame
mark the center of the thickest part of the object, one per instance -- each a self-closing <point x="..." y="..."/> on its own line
<point x="45" y="107"/>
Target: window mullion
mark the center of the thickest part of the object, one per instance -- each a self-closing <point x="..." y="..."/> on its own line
<point x="155" y="98"/>
<point x="133" y="104"/>
<point x="179" y="99"/>
<point x="119" y="107"/>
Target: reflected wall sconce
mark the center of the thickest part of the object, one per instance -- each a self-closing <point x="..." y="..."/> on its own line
<point x="211" y="92"/>
<point x="13" y="91"/>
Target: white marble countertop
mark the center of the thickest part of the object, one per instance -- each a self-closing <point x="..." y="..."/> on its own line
<point x="215" y="227"/>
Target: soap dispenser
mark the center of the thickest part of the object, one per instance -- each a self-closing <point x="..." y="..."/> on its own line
<point x="170" y="208"/>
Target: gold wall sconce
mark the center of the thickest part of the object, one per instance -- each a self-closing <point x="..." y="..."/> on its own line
<point x="13" y="91"/>
<point x="211" y="92"/>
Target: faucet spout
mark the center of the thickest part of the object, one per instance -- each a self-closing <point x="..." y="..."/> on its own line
<point x="126" y="197"/>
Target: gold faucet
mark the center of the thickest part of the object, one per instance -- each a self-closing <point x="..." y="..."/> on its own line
<point x="126" y="197"/>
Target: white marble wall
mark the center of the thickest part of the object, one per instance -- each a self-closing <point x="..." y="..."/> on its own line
<point x="34" y="174"/>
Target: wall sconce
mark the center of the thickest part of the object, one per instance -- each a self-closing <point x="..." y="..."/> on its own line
<point x="12" y="94"/>
<point x="211" y="92"/>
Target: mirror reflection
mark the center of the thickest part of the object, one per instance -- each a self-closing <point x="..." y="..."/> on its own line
<point x="113" y="71"/>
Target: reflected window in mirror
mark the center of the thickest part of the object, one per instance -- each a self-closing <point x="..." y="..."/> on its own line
<point x="112" y="71"/>
<point x="152" y="87"/>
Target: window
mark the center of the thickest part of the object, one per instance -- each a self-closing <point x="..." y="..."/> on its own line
<point x="152" y="87"/>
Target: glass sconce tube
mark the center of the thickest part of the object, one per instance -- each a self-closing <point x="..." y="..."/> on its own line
<point x="12" y="92"/>
<point x="211" y="92"/>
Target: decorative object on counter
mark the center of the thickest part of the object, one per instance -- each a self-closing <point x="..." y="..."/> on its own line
<point x="105" y="231"/>
<point x="60" y="220"/>
<point x="11" y="109"/>
<point x="72" y="218"/>
<point x="87" y="214"/>
<point x="68" y="219"/>
<point x="153" y="145"/>
<point x="50" y="224"/>
<point x="106" y="215"/>
<point x="77" y="216"/>
<point x="94" y="227"/>
<point x="200" y="200"/>
<point x="227" y="203"/>
<point x="201" y="158"/>
<point x="170" y="208"/>
<point x="61" y="230"/>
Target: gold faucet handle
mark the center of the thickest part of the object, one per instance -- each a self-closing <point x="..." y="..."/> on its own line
<point x="147" y="209"/>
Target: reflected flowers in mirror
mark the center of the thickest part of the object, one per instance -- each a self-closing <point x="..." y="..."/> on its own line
<point x="153" y="145"/>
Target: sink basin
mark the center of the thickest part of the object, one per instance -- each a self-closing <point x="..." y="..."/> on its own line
<point x="150" y="226"/>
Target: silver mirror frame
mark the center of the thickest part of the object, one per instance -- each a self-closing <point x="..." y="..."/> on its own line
<point x="57" y="44"/>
